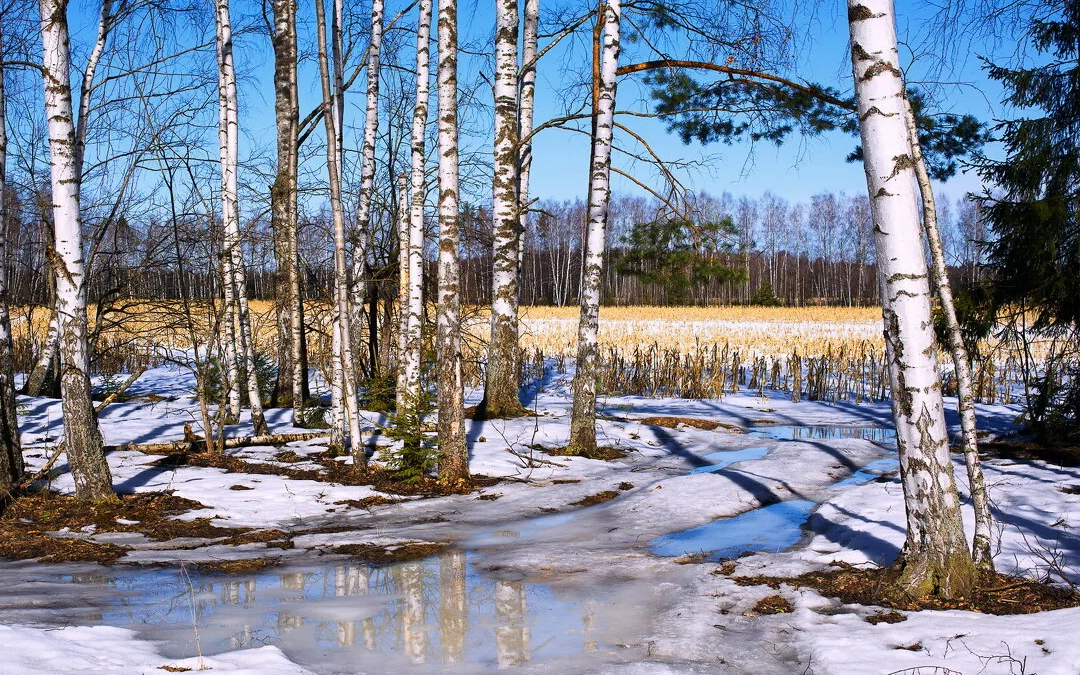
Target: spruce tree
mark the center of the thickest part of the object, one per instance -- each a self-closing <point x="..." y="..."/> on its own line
<point x="1032" y="209"/>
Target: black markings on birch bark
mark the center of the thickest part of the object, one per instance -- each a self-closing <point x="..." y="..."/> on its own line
<point x="935" y="558"/>
<point x="82" y="438"/>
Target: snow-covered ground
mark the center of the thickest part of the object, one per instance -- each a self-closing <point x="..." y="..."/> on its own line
<point x="530" y="579"/>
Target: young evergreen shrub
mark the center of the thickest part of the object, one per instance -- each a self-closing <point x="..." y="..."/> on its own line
<point x="418" y="453"/>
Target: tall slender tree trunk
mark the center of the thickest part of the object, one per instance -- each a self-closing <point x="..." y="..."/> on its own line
<point x="402" y="222"/>
<point x="980" y="548"/>
<point x="935" y="558"/>
<point x="367" y="159"/>
<point x="291" y="386"/>
<point x="501" y="385"/>
<point x="410" y="361"/>
<point x="346" y="414"/>
<point x="82" y="438"/>
<point x="11" y="459"/>
<point x="583" y="417"/>
<point x="454" y="464"/>
<point x="235" y="277"/>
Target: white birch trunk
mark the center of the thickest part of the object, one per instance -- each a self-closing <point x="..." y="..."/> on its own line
<point x="454" y="464"/>
<point x="501" y="372"/>
<point x="345" y="415"/>
<point x="526" y="98"/>
<point x="965" y="394"/>
<point x="228" y="137"/>
<point x="410" y="363"/>
<point x="82" y="438"/>
<point x="935" y="558"/>
<point x="367" y="160"/>
<point x="583" y="418"/>
<point x="403" y="290"/>
<point x="11" y="459"/>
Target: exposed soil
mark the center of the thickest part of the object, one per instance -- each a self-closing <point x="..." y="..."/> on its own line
<point x="996" y="594"/>
<point x="774" y="604"/>
<point x="606" y="453"/>
<point x="598" y="498"/>
<point x="331" y="472"/>
<point x="384" y="555"/>
<point x="28" y="520"/>
<point x="672" y="422"/>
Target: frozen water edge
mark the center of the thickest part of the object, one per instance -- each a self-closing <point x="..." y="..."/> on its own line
<point x="671" y="617"/>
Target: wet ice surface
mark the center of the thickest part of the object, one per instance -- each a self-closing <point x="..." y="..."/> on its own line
<point x="872" y="471"/>
<point x="769" y="528"/>
<point x="343" y="617"/>
<point x="724" y="459"/>
<point x="775" y="527"/>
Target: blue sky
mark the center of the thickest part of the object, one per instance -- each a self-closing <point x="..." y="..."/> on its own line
<point x="796" y="171"/>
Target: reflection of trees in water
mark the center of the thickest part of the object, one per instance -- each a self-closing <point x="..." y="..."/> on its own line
<point x="290" y="581"/>
<point x="453" y="607"/>
<point x="588" y="626"/>
<point x="354" y="580"/>
<point x="410" y="579"/>
<point x="512" y="633"/>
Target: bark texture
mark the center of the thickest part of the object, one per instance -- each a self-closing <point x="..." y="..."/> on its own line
<point x="11" y="459"/>
<point x="980" y="547"/>
<point x="82" y="438"/>
<point x="414" y="307"/>
<point x="235" y="276"/>
<point x="344" y="400"/>
<point x="454" y="462"/>
<point x="501" y="372"/>
<point x="583" y="416"/>
<point x="935" y="558"/>
<point x="364" y="234"/>
<point x="291" y="387"/>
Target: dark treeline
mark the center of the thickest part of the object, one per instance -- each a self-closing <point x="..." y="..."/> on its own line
<point x="815" y="253"/>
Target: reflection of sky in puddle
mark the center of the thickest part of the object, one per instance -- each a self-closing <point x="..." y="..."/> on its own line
<point x="429" y="614"/>
<point x="770" y="528"/>
<point x="719" y="460"/>
<point x="823" y="432"/>
<point x="871" y="471"/>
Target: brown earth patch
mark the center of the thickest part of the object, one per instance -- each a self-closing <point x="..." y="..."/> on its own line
<point x="670" y="422"/>
<point x="27" y="521"/>
<point x="383" y="555"/>
<point x="607" y="453"/>
<point x="885" y="617"/>
<point x="598" y="498"/>
<point x="996" y="593"/>
<point x="331" y="472"/>
<point x="774" y="604"/>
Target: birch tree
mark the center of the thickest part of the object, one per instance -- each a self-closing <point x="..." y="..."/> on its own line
<point x="235" y="278"/>
<point x="410" y="359"/>
<point x="82" y="437"/>
<point x="344" y="402"/>
<point x="965" y="391"/>
<point x="501" y="385"/>
<point x="291" y="386"/>
<point x="583" y="417"/>
<point x="454" y="462"/>
<point x="935" y="558"/>
<point x="11" y="459"/>
<point x="367" y="150"/>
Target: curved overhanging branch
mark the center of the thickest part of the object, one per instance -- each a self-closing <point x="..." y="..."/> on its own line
<point x="727" y="70"/>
